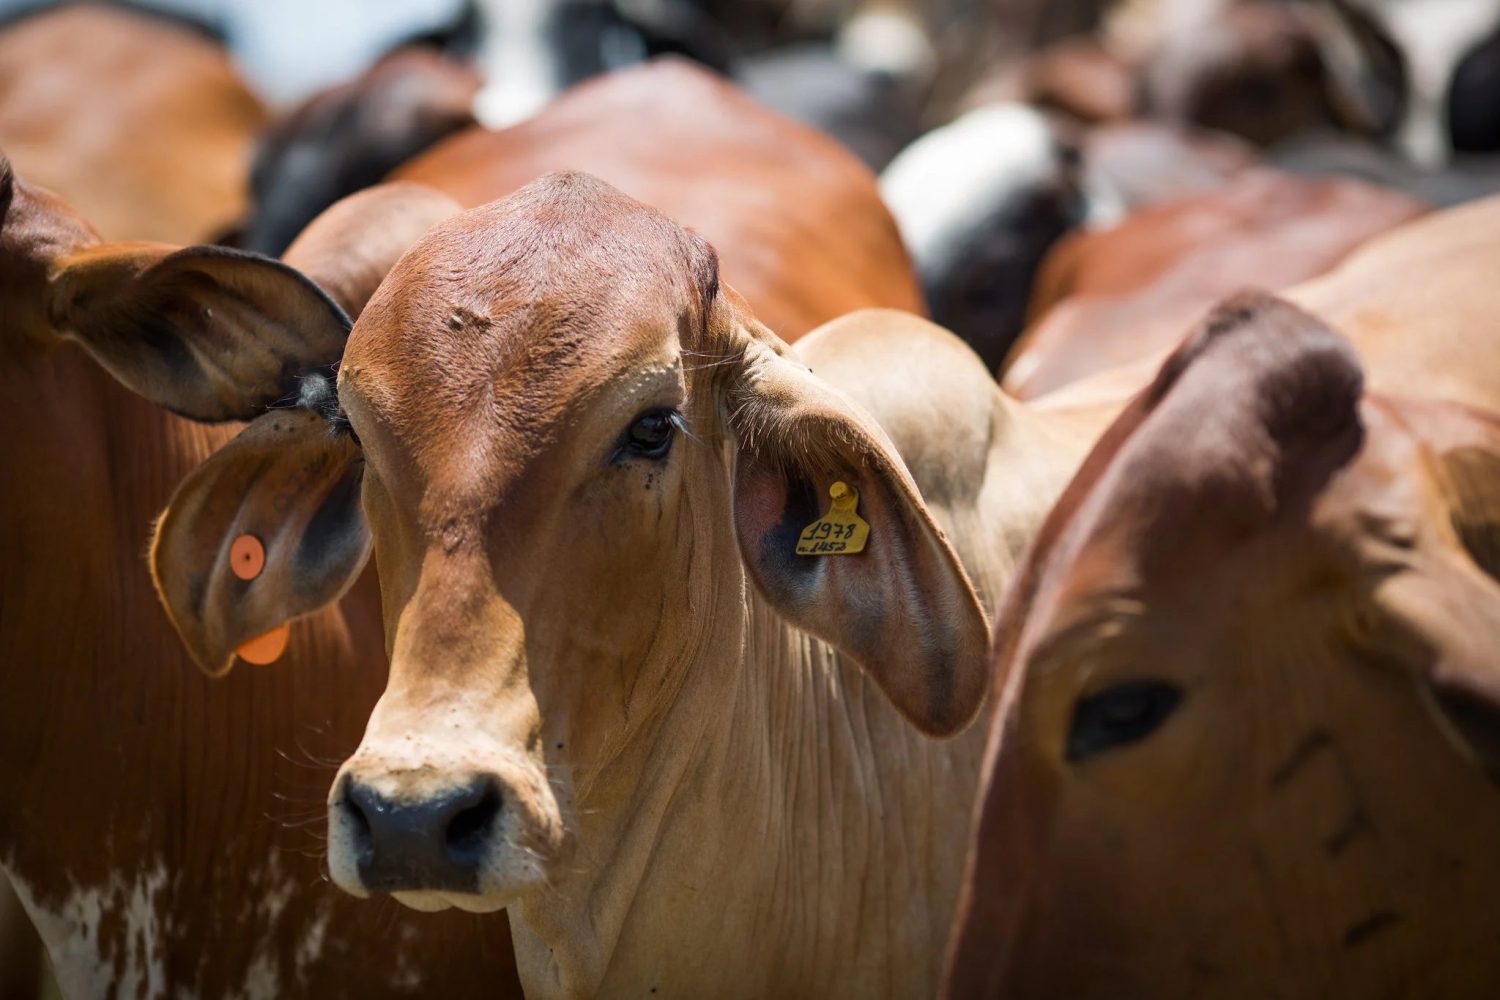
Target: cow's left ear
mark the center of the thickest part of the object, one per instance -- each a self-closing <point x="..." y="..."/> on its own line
<point x="268" y="529"/>
<point x="1453" y="602"/>
<point x="206" y="332"/>
<point x="903" y="607"/>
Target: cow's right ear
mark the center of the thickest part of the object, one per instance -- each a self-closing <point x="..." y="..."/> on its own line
<point x="206" y="332"/>
<point x="269" y="529"/>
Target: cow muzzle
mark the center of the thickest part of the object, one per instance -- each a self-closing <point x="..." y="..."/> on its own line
<point x="435" y="843"/>
<point x="432" y="839"/>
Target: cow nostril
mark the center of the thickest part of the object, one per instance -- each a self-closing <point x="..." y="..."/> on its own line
<point x="468" y="834"/>
<point x="362" y="840"/>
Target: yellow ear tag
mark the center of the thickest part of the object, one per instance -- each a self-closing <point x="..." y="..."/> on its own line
<point x="840" y="532"/>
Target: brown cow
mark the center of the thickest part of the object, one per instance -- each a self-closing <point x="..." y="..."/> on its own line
<point x="798" y="220"/>
<point x="621" y="703"/>
<point x="155" y="824"/>
<point x="140" y="122"/>
<point x="1247" y="740"/>
<point x="1418" y="302"/>
<point x="1111" y="296"/>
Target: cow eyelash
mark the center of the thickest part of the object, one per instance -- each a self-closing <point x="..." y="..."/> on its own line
<point x="650" y="435"/>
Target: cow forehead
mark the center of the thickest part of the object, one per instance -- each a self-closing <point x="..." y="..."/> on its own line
<point x="524" y="303"/>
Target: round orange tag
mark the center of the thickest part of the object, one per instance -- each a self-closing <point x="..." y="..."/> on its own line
<point x="247" y="557"/>
<point x="266" y="647"/>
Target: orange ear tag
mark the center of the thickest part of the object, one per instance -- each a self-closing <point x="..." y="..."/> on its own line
<point x="266" y="647"/>
<point x="840" y="532"/>
<point x="247" y="557"/>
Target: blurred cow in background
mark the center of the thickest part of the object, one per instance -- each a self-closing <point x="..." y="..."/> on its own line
<point x="979" y="202"/>
<point x="503" y="60"/>
<point x="140" y="121"/>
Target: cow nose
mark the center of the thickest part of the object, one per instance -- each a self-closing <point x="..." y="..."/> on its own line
<point x="436" y="843"/>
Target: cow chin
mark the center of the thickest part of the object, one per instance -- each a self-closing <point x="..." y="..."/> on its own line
<point x="433" y="902"/>
<point x="435" y="835"/>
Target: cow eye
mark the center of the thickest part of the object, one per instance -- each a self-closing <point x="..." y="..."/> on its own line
<point x="650" y="436"/>
<point x="1118" y="716"/>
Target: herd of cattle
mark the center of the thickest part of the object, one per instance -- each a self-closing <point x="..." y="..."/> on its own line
<point x="1169" y="664"/>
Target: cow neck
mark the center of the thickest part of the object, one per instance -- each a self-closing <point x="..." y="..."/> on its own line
<point x="85" y="650"/>
<point x="782" y="806"/>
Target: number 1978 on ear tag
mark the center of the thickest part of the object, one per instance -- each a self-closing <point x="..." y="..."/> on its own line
<point x="840" y="532"/>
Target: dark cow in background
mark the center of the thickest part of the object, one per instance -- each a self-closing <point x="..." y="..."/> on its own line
<point x="500" y="63"/>
<point x="139" y="120"/>
<point x="1246" y="743"/>
<point x="979" y="202"/>
<point x="1268" y="71"/>
<point x="351" y="136"/>
<point x="154" y="824"/>
<point x="1450" y="61"/>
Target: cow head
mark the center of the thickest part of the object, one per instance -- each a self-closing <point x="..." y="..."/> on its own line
<point x="579" y="455"/>
<point x="1251" y="693"/>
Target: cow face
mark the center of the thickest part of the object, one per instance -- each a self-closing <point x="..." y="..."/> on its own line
<point x="1252" y="698"/>
<point x="575" y="448"/>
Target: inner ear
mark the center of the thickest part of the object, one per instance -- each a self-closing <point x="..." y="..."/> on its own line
<point x="207" y="332"/>
<point x="1473" y="477"/>
<point x="902" y="606"/>
<point x="774" y="507"/>
<point x="287" y="490"/>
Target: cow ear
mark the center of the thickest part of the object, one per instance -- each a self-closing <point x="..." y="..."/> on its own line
<point x="351" y="246"/>
<point x="1454" y="604"/>
<point x="268" y="529"/>
<point x="1365" y="75"/>
<point x="211" y="333"/>
<point x="903" y="607"/>
<point x="207" y="332"/>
